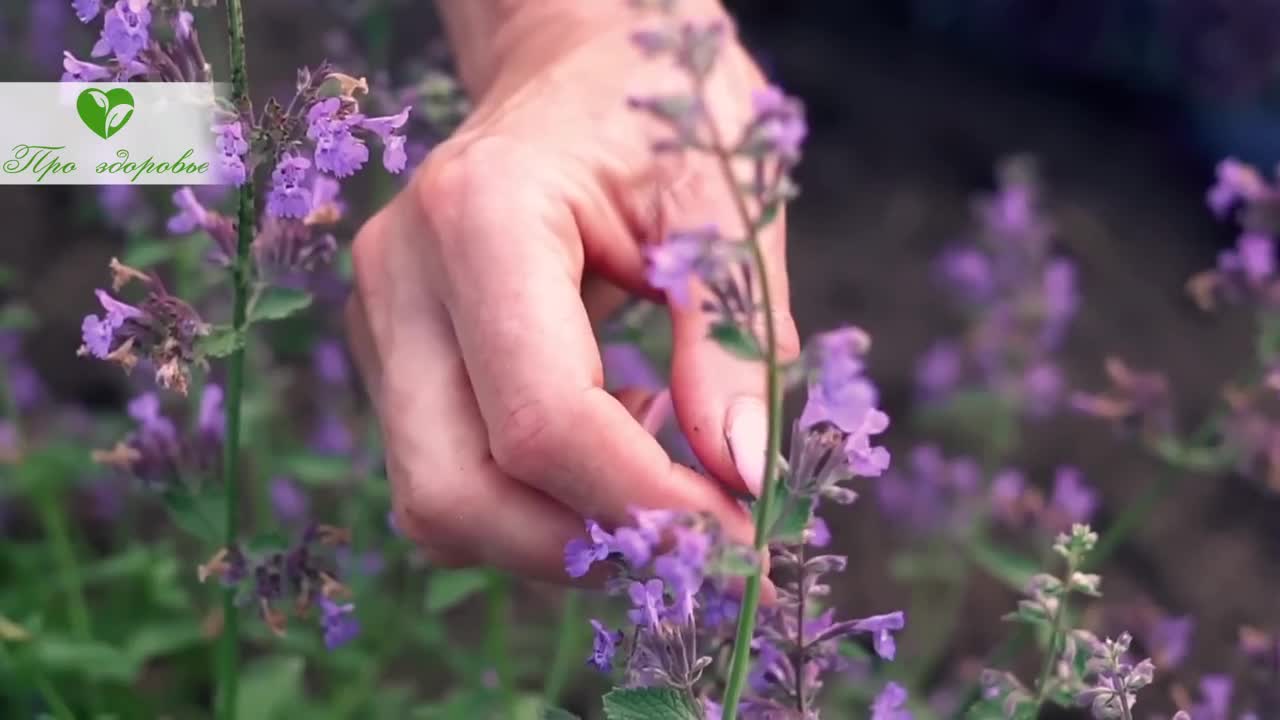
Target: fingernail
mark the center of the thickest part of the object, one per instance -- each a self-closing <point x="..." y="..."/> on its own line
<point x="655" y="412"/>
<point x="747" y="431"/>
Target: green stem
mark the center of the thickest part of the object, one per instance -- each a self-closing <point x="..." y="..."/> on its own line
<point x="497" y="653"/>
<point x="52" y="698"/>
<point x="1155" y="491"/>
<point x="54" y="520"/>
<point x="228" y="656"/>
<point x="1051" y="654"/>
<point x="740" y="663"/>
<point x="568" y="647"/>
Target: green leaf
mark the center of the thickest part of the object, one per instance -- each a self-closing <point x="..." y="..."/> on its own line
<point x="769" y="213"/>
<point x="221" y="341"/>
<point x="269" y="688"/>
<point x="792" y="518"/>
<point x="734" y="561"/>
<point x="16" y="316"/>
<point x="1029" y="613"/>
<point x="92" y="660"/>
<point x="554" y="713"/>
<point x="201" y="515"/>
<point x="163" y="638"/>
<point x="150" y="252"/>
<point x="1009" y="567"/>
<point x="447" y="588"/>
<point x="52" y="467"/>
<point x="311" y="469"/>
<point x="736" y="340"/>
<point x="266" y="543"/>
<point x="277" y="303"/>
<point x="649" y="704"/>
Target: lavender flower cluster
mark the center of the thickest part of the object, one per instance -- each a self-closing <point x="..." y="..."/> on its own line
<point x="312" y="143"/>
<point x="1021" y="298"/>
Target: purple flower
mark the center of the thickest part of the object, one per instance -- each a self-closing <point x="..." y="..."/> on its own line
<point x="1216" y="692"/>
<point x="126" y="30"/>
<point x="191" y="214"/>
<point x="580" y="554"/>
<point x="183" y="23"/>
<point x="339" y="623"/>
<point x="394" y="157"/>
<point x="1007" y="488"/>
<point x="779" y="123"/>
<point x="635" y="549"/>
<point x="232" y="148"/>
<point x="385" y="127"/>
<point x="81" y="71"/>
<point x="338" y="152"/>
<point x="890" y="704"/>
<point x="98" y="334"/>
<point x="1236" y="182"/>
<point x="649" y="605"/>
<point x="819" y="534"/>
<point x="288" y="500"/>
<point x="603" y="647"/>
<point x="1072" y="500"/>
<point x="968" y="271"/>
<point x="289" y="198"/>
<point x="1042" y="387"/>
<point x="368" y="564"/>
<point x="683" y="256"/>
<point x="939" y="369"/>
<point x="1254" y="258"/>
<point x="882" y="628"/>
<point x="211" y="419"/>
<point x="329" y="362"/>
<point x="1169" y="639"/>
<point x="1012" y="210"/>
<point x="331" y="435"/>
<point x="86" y="10"/>
<point x="145" y="409"/>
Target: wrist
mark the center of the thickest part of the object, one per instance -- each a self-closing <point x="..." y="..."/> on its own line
<point x="496" y="37"/>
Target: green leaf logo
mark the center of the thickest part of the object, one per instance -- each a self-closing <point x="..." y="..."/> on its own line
<point x="105" y="112"/>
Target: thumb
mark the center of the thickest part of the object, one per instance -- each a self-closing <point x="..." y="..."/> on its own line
<point x="719" y="398"/>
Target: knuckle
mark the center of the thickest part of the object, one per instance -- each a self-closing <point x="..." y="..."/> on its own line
<point x="525" y="439"/>
<point x="433" y="529"/>
<point x="460" y="168"/>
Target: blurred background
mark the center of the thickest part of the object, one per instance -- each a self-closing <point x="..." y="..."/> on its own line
<point x="1125" y="106"/>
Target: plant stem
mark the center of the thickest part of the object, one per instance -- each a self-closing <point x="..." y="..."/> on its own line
<point x="1051" y="654"/>
<point x="740" y="663"/>
<point x="51" y="509"/>
<point x="228" y="657"/>
<point x="568" y="647"/>
<point x="801" y="650"/>
<point x="496" y="651"/>
<point x="47" y="691"/>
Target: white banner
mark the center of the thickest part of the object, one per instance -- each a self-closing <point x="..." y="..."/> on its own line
<point x="108" y="134"/>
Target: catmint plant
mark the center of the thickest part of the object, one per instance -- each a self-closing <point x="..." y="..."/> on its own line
<point x="681" y="610"/>
<point x="309" y="144"/>
<point x="1077" y="667"/>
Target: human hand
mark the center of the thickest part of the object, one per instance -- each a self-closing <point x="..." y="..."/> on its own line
<point x="476" y="289"/>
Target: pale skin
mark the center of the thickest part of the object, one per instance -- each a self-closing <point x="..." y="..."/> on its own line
<point x="477" y="289"/>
